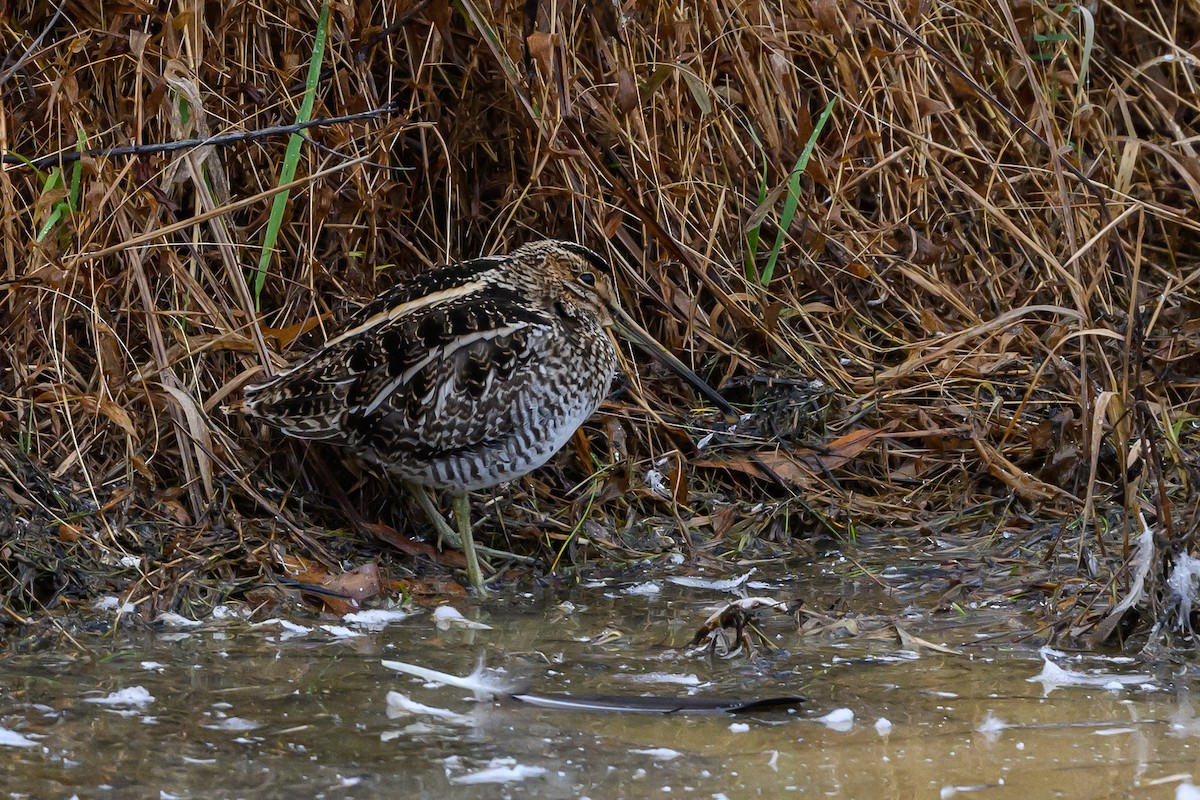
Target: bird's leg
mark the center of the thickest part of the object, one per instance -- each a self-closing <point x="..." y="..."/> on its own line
<point x="462" y="515"/>
<point x="449" y="535"/>
<point x="445" y="532"/>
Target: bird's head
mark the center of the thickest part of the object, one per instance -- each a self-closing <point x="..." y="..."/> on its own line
<point x="585" y="280"/>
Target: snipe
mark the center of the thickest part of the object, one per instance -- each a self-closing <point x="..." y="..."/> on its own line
<point x="468" y="375"/>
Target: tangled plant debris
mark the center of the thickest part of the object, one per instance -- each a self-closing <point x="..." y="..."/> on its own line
<point x="942" y="257"/>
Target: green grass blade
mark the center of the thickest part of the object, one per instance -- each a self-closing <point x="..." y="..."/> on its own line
<point x="1089" y="44"/>
<point x="55" y="212"/>
<point x="28" y="162"/>
<point x="73" y="200"/>
<point x="754" y="229"/>
<point x="755" y="233"/>
<point x="793" y="193"/>
<point x="291" y="157"/>
<point x="70" y="203"/>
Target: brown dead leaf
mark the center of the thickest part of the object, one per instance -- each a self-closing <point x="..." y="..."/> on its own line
<point x="927" y="106"/>
<point x="541" y="48"/>
<point x="944" y="441"/>
<point x="412" y="547"/>
<point x="68" y="532"/>
<point x="115" y="413"/>
<point x="627" y="92"/>
<point x="798" y="468"/>
<point x="175" y="510"/>
<point x="300" y="569"/>
<point x="780" y="464"/>
<point x="346" y="591"/>
<point x="355" y="586"/>
<point x="722" y="521"/>
<point x="432" y="591"/>
<point x="845" y="448"/>
<point x="931" y="323"/>
<point x="826" y="14"/>
<point x="583" y="449"/>
<point x="284" y="337"/>
<point x="762" y="466"/>
<point x="924" y="251"/>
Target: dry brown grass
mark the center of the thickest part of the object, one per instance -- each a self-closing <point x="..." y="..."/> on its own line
<point x="992" y="273"/>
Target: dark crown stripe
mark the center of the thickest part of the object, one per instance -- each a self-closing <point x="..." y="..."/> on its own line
<point x="591" y="256"/>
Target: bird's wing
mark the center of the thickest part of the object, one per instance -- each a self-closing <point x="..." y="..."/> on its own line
<point x="427" y="370"/>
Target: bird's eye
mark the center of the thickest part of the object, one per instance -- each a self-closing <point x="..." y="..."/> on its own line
<point x="587" y="279"/>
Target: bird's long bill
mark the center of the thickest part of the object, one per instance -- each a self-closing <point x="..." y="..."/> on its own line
<point x="638" y="335"/>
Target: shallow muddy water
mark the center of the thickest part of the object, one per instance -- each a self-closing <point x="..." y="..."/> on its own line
<point x="300" y="708"/>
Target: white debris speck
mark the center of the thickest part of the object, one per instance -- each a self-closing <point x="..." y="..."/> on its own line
<point x="500" y="770"/>
<point x="13" y="739"/>
<point x="173" y="620"/>
<point x="130" y="561"/>
<point x="659" y="753"/>
<point x="656" y="482"/>
<point x="152" y="666"/>
<point x="1182" y="584"/>
<point x="224" y="612"/>
<point x="236" y="724"/>
<point x="1187" y="791"/>
<point x="883" y="726"/>
<point x="401" y="705"/>
<point x="341" y="631"/>
<point x="290" y="629"/>
<point x="1053" y="676"/>
<point x="991" y="724"/>
<point x="727" y="585"/>
<point x="738" y="727"/>
<point x="112" y="603"/>
<point x="481" y="682"/>
<point x="662" y="677"/>
<point x="133" y="696"/>
<point x="446" y="617"/>
<point x="375" y="619"/>
<point x="647" y="589"/>
<point x="840" y="719"/>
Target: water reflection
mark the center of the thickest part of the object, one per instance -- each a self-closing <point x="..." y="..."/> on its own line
<point x="298" y="708"/>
